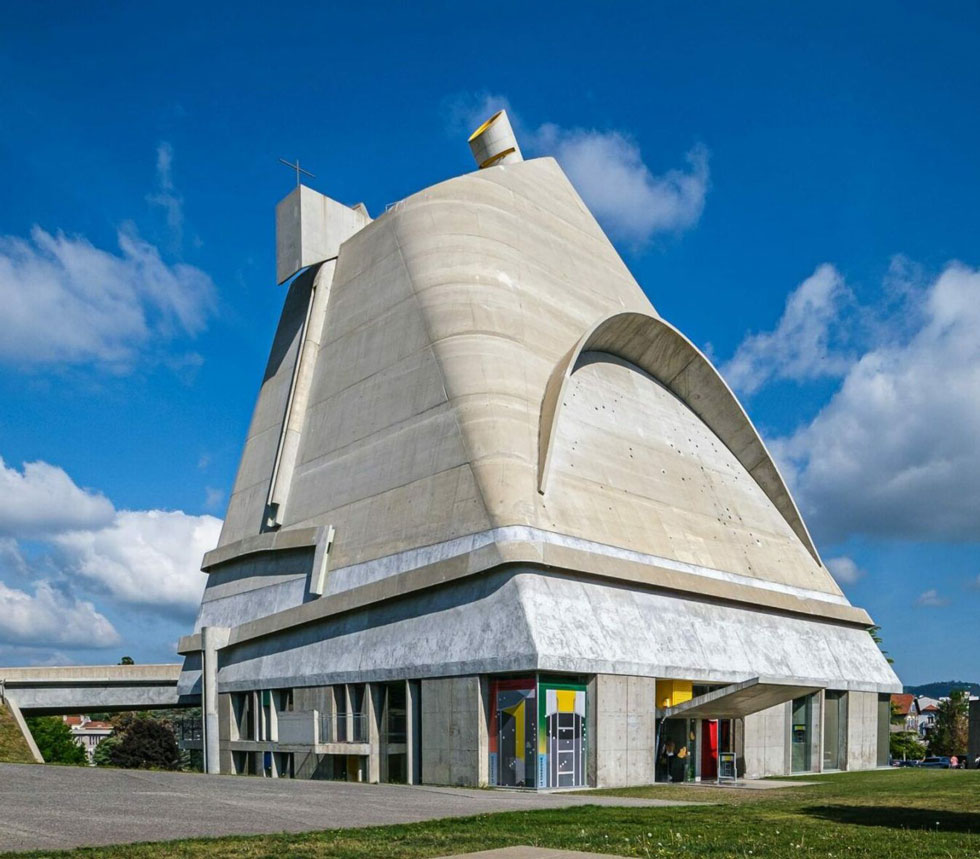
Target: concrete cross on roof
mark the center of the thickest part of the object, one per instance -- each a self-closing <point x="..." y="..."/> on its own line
<point x="297" y="168"/>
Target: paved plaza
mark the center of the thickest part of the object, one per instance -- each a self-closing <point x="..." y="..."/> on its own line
<point x="50" y="807"/>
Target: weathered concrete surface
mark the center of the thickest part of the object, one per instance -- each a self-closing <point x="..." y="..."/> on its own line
<point x="77" y="688"/>
<point x="454" y="731"/>
<point x="862" y="730"/>
<point x="624" y="731"/>
<point x="765" y="749"/>
<point x="49" y="808"/>
<point x="446" y="319"/>
<point x="526" y="618"/>
<point x="310" y="228"/>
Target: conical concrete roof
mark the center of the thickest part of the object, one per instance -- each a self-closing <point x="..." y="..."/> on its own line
<point x="454" y="324"/>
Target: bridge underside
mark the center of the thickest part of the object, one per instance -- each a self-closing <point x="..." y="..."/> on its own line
<point x="101" y="688"/>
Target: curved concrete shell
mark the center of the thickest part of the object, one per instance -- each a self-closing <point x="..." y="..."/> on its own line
<point x="477" y="448"/>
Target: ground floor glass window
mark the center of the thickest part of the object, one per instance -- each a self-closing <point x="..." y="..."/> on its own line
<point x="834" y="730"/>
<point x="802" y="719"/>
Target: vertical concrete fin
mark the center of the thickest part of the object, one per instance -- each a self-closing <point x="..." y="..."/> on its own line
<point x="299" y="395"/>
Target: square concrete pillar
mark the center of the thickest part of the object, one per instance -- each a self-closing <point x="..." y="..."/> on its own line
<point x="413" y="733"/>
<point x="625" y="730"/>
<point x="455" y="747"/>
<point x="373" y="705"/>
<point x="862" y="730"/>
<point x="766" y="742"/>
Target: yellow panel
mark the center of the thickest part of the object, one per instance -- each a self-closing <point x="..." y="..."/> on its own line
<point x="519" y="730"/>
<point x="566" y="700"/>
<point x="670" y="693"/>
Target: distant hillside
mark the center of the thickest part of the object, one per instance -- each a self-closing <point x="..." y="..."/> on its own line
<point x="941" y="688"/>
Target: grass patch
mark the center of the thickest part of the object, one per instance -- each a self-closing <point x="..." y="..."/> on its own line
<point x="13" y="746"/>
<point x="879" y="814"/>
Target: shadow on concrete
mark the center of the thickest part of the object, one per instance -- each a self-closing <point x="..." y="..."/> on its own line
<point x="896" y="817"/>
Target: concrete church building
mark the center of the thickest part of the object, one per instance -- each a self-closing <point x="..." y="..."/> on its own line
<point x="498" y="523"/>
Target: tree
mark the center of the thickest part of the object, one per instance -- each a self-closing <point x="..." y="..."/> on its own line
<point x="102" y="756"/>
<point x="949" y="736"/>
<point x="146" y="744"/>
<point x="875" y="633"/>
<point x="127" y="660"/>
<point x="55" y="741"/>
<point x="905" y="745"/>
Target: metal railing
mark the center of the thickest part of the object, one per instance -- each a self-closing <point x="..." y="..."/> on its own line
<point x="343" y="728"/>
<point x="189" y="729"/>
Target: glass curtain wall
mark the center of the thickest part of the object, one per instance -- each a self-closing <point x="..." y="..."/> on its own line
<point x="834" y="730"/>
<point x="802" y="720"/>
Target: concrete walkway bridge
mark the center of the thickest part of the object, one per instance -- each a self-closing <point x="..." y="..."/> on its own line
<point x="51" y="690"/>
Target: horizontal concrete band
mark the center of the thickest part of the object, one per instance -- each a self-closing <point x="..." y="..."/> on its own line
<point x="271" y="541"/>
<point x="521" y="618"/>
<point x="504" y="546"/>
<point x="126" y="675"/>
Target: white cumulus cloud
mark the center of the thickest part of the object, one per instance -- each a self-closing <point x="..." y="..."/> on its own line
<point x="51" y="618"/>
<point x="931" y="599"/>
<point x="42" y="500"/>
<point x="145" y="557"/>
<point x="844" y="569"/>
<point x="800" y="347"/>
<point x="607" y="168"/>
<point x="895" y="451"/>
<point x="66" y="301"/>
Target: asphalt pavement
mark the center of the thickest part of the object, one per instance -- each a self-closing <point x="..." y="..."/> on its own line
<point x="52" y="807"/>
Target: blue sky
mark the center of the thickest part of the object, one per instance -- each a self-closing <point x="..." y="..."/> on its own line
<point x="795" y="188"/>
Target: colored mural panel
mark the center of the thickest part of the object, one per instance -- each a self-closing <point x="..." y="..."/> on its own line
<point x="561" y="735"/>
<point x="513" y="720"/>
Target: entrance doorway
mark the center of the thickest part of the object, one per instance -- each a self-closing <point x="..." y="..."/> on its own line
<point x="513" y="736"/>
<point x="716" y="736"/>
<point x="564" y="709"/>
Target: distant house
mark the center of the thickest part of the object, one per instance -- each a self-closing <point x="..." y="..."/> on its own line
<point x="907" y="706"/>
<point x="928" y="710"/>
<point x="88" y="733"/>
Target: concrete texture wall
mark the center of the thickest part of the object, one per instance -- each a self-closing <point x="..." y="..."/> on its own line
<point x="680" y="491"/>
<point x="246" y="506"/>
<point x="446" y="319"/>
<point x="255" y="586"/>
<point x="765" y="743"/>
<point x="82" y="688"/>
<point x="526" y="619"/>
<point x="455" y="746"/>
<point x="624" y="732"/>
<point x="862" y="730"/>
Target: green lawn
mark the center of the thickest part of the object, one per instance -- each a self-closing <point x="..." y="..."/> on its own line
<point x="13" y="746"/>
<point x="903" y="813"/>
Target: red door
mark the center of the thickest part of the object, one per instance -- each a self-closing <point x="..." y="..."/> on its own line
<point x="709" y="750"/>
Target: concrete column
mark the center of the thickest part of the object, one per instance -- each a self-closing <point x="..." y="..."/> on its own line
<point x="213" y="638"/>
<point x="413" y="732"/>
<point x="862" y="730"/>
<point x="372" y="708"/>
